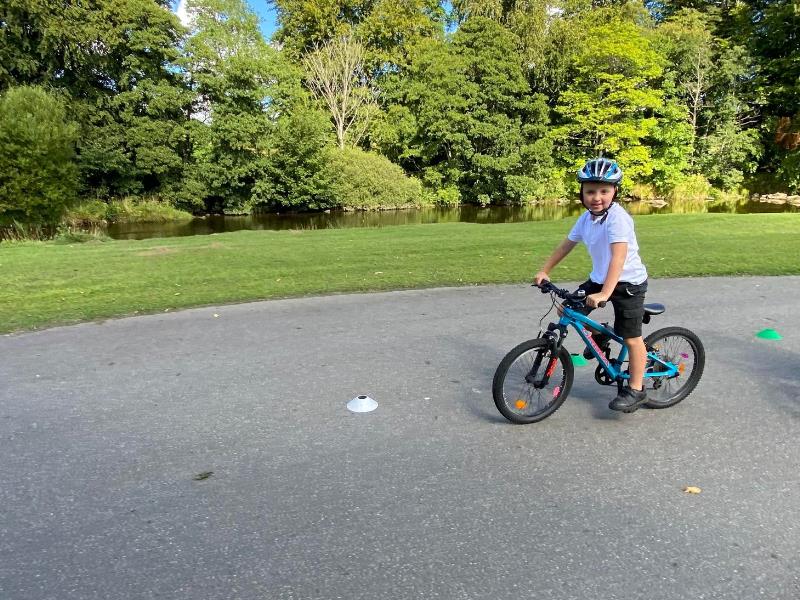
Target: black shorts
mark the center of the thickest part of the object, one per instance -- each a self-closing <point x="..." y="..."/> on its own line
<point x="628" y="301"/>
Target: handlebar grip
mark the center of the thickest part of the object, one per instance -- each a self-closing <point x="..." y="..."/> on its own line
<point x="601" y="304"/>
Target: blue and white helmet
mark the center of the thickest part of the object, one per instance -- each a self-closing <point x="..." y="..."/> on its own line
<point x="602" y="170"/>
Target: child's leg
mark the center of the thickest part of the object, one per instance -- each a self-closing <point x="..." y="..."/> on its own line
<point x="628" y="301"/>
<point x="637" y="359"/>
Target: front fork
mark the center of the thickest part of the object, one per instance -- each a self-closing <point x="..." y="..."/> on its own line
<point x="554" y="335"/>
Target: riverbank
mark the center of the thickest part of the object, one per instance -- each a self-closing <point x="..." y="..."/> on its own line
<point x="47" y="284"/>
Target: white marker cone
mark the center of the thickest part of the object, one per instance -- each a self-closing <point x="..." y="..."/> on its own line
<point x="362" y="404"/>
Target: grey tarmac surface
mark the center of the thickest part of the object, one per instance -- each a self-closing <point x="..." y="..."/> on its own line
<point x="103" y="427"/>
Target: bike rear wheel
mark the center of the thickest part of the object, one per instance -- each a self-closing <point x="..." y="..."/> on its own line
<point x="682" y="348"/>
<point x="516" y="397"/>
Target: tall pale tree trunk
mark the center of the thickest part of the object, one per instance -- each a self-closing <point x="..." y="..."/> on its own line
<point x="336" y="75"/>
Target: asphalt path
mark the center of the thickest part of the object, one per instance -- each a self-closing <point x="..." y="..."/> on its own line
<point x="104" y="428"/>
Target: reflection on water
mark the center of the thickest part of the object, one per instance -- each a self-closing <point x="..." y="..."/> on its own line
<point x="464" y="214"/>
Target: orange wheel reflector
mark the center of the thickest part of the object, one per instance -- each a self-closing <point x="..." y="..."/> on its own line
<point x="521" y="404"/>
<point x="681" y="368"/>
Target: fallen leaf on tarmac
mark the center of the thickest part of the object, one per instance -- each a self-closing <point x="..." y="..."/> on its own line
<point x="690" y="489"/>
<point x="203" y="475"/>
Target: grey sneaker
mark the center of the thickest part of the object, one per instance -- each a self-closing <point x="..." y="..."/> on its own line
<point x="628" y="400"/>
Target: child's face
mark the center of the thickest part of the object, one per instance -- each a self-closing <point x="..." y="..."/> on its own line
<point x="597" y="196"/>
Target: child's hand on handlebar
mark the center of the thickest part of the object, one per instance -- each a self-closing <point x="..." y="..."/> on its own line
<point x="597" y="300"/>
<point x="540" y="277"/>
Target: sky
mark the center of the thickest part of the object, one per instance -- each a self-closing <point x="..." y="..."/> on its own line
<point x="265" y="13"/>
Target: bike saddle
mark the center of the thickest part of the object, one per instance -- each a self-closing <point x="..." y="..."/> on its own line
<point x="654" y="309"/>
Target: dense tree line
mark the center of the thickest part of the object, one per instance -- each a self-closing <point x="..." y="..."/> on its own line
<point x="378" y="103"/>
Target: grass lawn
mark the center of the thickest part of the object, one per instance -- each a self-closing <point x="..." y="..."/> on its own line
<point x="45" y="284"/>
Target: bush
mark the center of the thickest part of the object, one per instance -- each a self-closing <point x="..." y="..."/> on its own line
<point x="789" y="171"/>
<point x="26" y="232"/>
<point x="87" y="212"/>
<point x="694" y="188"/>
<point x="730" y="196"/>
<point x="643" y="192"/>
<point x="365" y="181"/>
<point x="38" y="178"/>
<point x="143" y="210"/>
<point x="444" y="196"/>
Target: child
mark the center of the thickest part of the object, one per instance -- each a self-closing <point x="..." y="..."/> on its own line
<point x="617" y="271"/>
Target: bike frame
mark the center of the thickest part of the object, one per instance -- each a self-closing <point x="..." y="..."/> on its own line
<point x="612" y="367"/>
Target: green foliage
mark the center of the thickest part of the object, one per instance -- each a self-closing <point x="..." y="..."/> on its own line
<point x="86" y="212"/>
<point x="500" y="109"/>
<point x="462" y="115"/>
<point x="143" y="210"/>
<point x="37" y="150"/>
<point x="711" y="80"/>
<point x="388" y="28"/>
<point x="122" y="210"/>
<point x="694" y="188"/>
<point x="613" y="102"/>
<point x="294" y="173"/>
<point x="507" y="157"/>
<point x="115" y="62"/>
<point x="789" y="170"/>
<point x="243" y="85"/>
<point x="443" y="196"/>
<point x="774" y="43"/>
<point x="774" y="46"/>
<point x="367" y="181"/>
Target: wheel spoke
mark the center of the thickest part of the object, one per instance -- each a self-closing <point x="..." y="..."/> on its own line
<point x="517" y="389"/>
<point x="678" y="350"/>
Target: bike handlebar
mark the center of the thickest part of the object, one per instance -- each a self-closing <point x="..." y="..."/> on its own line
<point x="579" y="295"/>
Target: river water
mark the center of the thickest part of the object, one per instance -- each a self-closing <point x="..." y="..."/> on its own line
<point x="465" y="214"/>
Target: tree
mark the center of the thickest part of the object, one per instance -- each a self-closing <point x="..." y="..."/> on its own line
<point x="508" y="155"/>
<point x="463" y="117"/>
<point x="295" y="173"/>
<point x="691" y="49"/>
<point x="393" y="27"/>
<point x="613" y="103"/>
<point x="304" y="25"/>
<point x="711" y="76"/>
<point x="426" y="113"/>
<point x="775" y="46"/>
<point x="37" y="150"/>
<point x="243" y="86"/>
<point x="115" y="61"/>
<point x="336" y="76"/>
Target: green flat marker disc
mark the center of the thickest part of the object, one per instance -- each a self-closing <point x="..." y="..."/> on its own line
<point x="579" y="361"/>
<point x="769" y="334"/>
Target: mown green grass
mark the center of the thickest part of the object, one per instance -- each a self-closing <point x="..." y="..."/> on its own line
<point x="45" y="284"/>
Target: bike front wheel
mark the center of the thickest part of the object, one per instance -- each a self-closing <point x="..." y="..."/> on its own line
<point x="682" y="348"/>
<point x="518" y="391"/>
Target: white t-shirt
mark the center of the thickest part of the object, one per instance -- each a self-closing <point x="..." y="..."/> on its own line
<point x="598" y="235"/>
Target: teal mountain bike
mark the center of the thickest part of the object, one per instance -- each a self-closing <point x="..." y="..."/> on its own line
<point x="535" y="377"/>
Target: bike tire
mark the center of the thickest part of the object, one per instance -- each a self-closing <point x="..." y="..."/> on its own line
<point x="554" y="393"/>
<point x="685" y="345"/>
